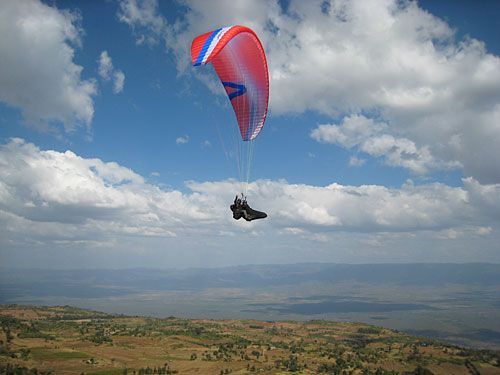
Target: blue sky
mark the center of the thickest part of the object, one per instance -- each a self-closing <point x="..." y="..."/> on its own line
<point x="380" y="144"/>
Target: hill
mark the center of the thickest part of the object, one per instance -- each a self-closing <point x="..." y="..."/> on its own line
<point x="70" y="340"/>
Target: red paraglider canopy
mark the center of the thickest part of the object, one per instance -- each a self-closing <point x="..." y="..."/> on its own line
<point x="240" y="62"/>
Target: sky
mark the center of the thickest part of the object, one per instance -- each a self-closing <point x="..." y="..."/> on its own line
<point x="381" y="143"/>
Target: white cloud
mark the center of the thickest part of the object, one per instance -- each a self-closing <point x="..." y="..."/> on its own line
<point x="356" y="162"/>
<point x="362" y="208"/>
<point x="182" y="140"/>
<point x="119" y="81"/>
<point x="439" y="97"/>
<point x="49" y="198"/>
<point x="353" y="131"/>
<point x="107" y="71"/>
<point x="293" y="230"/>
<point x="38" y="74"/>
<point x="468" y="231"/>
<point x="63" y="190"/>
<point x="367" y="207"/>
<point x="105" y="65"/>
<point x="450" y="234"/>
<point x="483" y="231"/>
<point x="143" y="17"/>
<point x="485" y="197"/>
<point x="372" y="138"/>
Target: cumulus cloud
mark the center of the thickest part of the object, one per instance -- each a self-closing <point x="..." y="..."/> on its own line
<point x="182" y="140"/>
<point x="372" y="138"/>
<point x="61" y="189"/>
<point x="51" y="197"/>
<point x="439" y="96"/>
<point x="486" y="197"/>
<point x="38" y="74"/>
<point x="143" y="17"/>
<point x="364" y="208"/>
<point x="107" y="71"/>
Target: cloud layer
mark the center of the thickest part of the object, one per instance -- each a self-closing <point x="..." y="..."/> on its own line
<point x="37" y="71"/>
<point x="438" y="96"/>
<point x="50" y="196"/>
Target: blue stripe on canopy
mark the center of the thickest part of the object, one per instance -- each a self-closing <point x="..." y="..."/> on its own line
<point x="205" y="47"/>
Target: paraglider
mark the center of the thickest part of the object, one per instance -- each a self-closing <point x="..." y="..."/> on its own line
<point x="241" y="209"/>
<point x="240" y="63"/>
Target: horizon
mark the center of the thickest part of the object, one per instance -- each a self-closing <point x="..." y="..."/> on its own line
<point x="251" y="265"/>
<point x="454" y="302"/>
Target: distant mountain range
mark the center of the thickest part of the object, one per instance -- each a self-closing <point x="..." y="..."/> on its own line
<point x="107" y="282"/>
